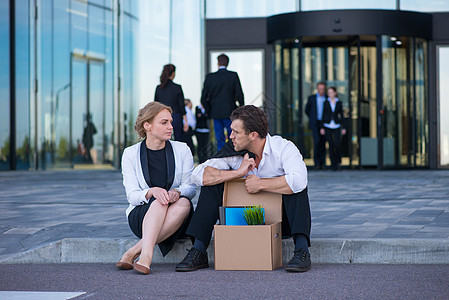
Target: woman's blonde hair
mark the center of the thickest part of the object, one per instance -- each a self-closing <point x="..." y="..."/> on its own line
<point x="147" y="114"/>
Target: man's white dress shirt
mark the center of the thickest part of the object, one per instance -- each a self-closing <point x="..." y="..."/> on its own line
<point x="280" y="157"/>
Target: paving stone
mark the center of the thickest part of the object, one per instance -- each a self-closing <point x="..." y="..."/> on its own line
<point x="354" y="204"/>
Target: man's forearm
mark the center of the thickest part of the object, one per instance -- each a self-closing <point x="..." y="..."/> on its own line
<point x="275" y="185"/>
<point x="212" y="176"/>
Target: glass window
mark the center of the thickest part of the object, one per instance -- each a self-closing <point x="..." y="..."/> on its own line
<point x="61" y="86"/>
<point x="154" y="27"/>
<point x="78" y="18"/>
<point x="248" y="8"/>
<point x="129" y="97"/>
<point x="443" y="96"/>
<point x="421" y="121"/>
<point x="22" y="86"/>
<point x="4" y="86"/>
<point x="170" y="34"/>
<point x="427" y="6"/>
<point x="307" y="5"/>
<point x="186" y="41"/>
<point x="97" y="29"/>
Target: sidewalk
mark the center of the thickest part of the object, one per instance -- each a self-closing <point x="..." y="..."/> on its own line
<point x="357" y="216"/>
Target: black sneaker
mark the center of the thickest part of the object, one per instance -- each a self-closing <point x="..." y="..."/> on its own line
<point x="300" y="262"/>
<point x="194" y="260"/>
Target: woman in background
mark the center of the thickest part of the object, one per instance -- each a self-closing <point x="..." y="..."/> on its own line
<point x="170" y="94"/>
<point x="332" y="127"/>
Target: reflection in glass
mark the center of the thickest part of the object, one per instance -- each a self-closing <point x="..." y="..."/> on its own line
<point x="22" y="63"/>
<point x="170" y="34"/>
<point x="186" y="41"/>
<point x="443" y="96"/>
<point x="79" y="30"/>
<point x="388" y="111"/>
<point x="61" y="86"/>
<point x="248" y="8"/>
<point x="128" y="84"/>
<point x="79" y="111"/>
<point x="421" y="121"/>
<point x="367" y="123"/>
<point x="4" y="86"/>
<point x="97" y="103"/>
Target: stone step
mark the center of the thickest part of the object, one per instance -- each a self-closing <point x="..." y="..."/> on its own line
<point x="371" y="251"/>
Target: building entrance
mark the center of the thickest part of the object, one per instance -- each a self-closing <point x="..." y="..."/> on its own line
<point x="381" y="84"/>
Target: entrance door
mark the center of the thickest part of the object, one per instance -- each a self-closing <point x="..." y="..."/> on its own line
<point x="363" y="134"/>
<point x="331" y="66"/>
<point x="87" y="112"/>
<point x="381" y="82"/>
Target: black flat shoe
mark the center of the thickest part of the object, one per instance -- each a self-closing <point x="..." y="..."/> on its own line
<point x="300" y="262"/>
<point x="194" y="260"/>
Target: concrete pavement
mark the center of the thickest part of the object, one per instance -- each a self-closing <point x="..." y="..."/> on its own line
<point x="357" y="216"/>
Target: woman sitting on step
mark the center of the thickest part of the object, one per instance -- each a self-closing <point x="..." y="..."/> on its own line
<point x="156" y="176"/>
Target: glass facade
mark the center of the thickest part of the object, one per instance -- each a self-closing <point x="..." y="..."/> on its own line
<point x="287" y="95"/>
<point x="4" y="86"/>
<point x="443" y="104"/>
<point x="396" y="120"/>
<point x="172" y="32"/>
<point x="83" y="68"/>
<point x="22" y="85"/>
<point x="71" y="105"/>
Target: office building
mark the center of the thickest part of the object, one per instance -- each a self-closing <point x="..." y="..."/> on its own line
<point x="70" y="60"/>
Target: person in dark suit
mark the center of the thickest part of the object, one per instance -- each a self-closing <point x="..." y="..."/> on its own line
<point x="170" y="94"/>
<point x="332" y="126"/>
<point x="221" y="92"/>
<point x="202" y="133"/>
<point x="314" y="110"/>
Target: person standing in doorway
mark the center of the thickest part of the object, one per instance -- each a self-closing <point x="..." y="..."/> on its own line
<point x="314" y="110"/>
<point x="221" y="93"/>
<point x="332" y="126"/>
<point x="170" y="94"/>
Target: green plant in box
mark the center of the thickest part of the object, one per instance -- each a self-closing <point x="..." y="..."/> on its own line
<point x="254" y="215"/>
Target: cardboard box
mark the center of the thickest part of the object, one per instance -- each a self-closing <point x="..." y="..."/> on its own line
<point x="257" y="247"/>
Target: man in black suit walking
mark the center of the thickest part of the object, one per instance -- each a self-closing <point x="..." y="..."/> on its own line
<point x="314" y="110"/>
<point x="221" y="91"/>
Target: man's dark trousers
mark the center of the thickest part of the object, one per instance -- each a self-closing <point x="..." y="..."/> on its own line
<point x="219" y="127"/>
<point x="296" y="213"/>
<point x="319" y="146"/>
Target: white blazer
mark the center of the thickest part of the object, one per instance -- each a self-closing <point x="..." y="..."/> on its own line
<point x="134" y="181"/>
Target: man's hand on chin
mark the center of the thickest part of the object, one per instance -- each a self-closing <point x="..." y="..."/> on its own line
<point x="253" y="184"/>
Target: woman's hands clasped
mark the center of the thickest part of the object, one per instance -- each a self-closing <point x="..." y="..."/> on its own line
<point x="162" y="195"/>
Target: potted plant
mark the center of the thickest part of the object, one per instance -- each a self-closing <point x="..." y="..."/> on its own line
<point x="254" y="215"/>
